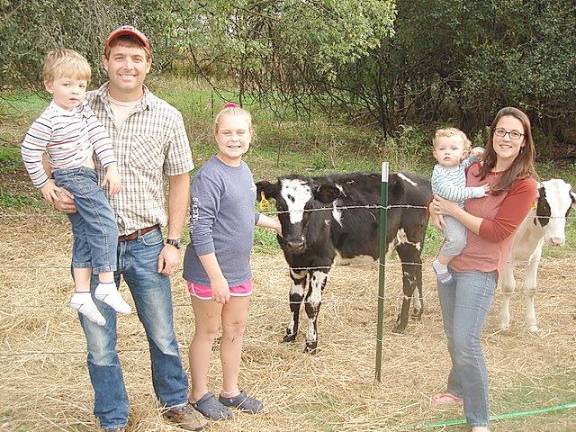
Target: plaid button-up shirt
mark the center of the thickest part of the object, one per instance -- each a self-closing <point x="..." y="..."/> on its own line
<point x="150" y="144"/>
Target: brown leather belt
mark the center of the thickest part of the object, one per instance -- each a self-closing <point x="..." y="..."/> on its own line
<point x="137" y="233"/>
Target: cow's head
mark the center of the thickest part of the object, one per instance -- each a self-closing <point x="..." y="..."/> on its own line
<point x="297" y="198"/>
<point x="554" y="203"/>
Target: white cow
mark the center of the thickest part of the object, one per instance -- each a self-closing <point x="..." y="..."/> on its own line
<point x="544" y="224"/>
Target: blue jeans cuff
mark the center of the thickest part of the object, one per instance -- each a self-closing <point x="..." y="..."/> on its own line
<point x="104" y="269"/>
<point x="180" y="405"/>
<point x="115" y="426"/>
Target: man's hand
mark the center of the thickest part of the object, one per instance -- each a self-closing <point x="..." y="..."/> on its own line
<point x="62" y="200"/>
<point x="169" y="260"/>
<point x="50" y="191"/>
<point x="112" y="180"/>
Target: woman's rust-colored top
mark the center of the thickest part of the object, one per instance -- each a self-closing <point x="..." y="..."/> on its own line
<point x="502" y="214"/>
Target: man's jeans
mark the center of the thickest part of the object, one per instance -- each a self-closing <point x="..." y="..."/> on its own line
<point x="465" y="303"/>
<point x="94" y="224"/>
<point x="137" y="264"/>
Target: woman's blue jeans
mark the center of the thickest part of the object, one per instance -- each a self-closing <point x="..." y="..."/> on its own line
<point x="465" y="303"/>
<point x="137" y="264"/>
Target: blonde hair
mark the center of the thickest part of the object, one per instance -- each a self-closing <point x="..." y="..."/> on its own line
<point x="450" y="132"/>
<point x="235" y="110"/>
<point x="65" y="63"/>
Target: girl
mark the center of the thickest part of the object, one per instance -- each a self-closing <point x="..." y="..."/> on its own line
<point x="217" y="262"/>
<point x="491" y="221"/>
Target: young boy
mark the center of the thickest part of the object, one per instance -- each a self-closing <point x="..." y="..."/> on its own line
<point x="69" y="132"/>
<point x="451" y="147"/>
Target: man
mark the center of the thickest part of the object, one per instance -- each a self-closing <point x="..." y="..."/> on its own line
<point x="150" y="142"/>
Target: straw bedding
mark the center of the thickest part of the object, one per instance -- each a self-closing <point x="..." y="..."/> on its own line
<point x="44" y="384"/>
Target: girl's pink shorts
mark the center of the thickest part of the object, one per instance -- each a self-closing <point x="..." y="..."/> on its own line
<point x="204" y="292"/>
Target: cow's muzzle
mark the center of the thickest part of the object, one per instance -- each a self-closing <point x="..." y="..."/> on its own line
<point x="556" y="241"/>
<point x="296" y="245"/>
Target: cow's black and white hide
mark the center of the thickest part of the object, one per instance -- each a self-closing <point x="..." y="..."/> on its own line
<point x="544" y="224"/>
<point x="315" y="228"/>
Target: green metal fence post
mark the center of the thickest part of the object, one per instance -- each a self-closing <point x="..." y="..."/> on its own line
<point x="382" y="267"/>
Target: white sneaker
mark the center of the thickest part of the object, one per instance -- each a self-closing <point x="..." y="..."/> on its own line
<point x="109" y="294"/>
<point x="83" y="303"/>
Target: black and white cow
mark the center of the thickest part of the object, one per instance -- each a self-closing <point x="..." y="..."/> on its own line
<point x="315" y="228"/>
<point x="544" y="224"/>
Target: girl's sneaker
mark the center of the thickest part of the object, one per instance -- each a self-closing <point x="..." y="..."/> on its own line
<point x="243" y="402"/>
<point x="211" y="408"/>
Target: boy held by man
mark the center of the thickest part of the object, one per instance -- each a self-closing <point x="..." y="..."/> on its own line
<point x="70" y="134"/>
<point x="451" y="148"/>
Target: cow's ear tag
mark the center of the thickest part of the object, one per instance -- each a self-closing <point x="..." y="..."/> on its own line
<point x="265" y="205"/>
<point x="534" y="205"/>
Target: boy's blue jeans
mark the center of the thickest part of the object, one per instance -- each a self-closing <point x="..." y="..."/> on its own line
<point x="465" y="303"/>
<point x="94" y="224"/>
<point x="152" y="294"/>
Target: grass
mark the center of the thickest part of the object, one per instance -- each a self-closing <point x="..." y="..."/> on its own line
<point x="10" y="159"/>
<point x="314" y="147"/>
<point x="265" y="242"/>
<point x="17" y="201"/>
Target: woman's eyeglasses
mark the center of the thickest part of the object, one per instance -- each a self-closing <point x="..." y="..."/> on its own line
<point x="513" y="134"/>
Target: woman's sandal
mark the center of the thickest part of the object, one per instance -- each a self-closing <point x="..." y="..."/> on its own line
<point x="446" y="399"/>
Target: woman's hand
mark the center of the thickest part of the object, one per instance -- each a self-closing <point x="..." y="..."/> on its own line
<point x="444" y="206"/>
<point x="437" y="218"/>
<point x="220" y="291"/>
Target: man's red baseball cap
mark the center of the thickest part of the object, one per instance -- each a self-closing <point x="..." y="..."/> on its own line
<point x="127" y="30"/>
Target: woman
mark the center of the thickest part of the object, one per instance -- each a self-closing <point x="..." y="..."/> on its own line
<point x="508" y="168"/>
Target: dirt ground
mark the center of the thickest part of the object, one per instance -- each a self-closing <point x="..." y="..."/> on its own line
<point x="44" y="384"/>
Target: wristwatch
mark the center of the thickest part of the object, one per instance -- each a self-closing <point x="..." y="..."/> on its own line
<point x="174" y="242"/>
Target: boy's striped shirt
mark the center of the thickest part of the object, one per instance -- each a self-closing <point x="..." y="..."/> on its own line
<point x="69" y="138"/>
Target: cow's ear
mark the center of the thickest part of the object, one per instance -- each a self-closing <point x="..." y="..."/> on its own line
<point x="326" y="193"/>
<point x="270" y="190"/>
<point x="573" y="196"/>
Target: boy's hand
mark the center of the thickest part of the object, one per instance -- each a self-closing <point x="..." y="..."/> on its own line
<point x="487" y="188"/>
<point x="477" y="151"/>
<point x="50" y="191"/>
<point x="112" y="180"/>
<point x="220" y="291"/>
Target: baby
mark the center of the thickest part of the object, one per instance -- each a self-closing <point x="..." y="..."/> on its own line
<point x="451" y="147"/>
